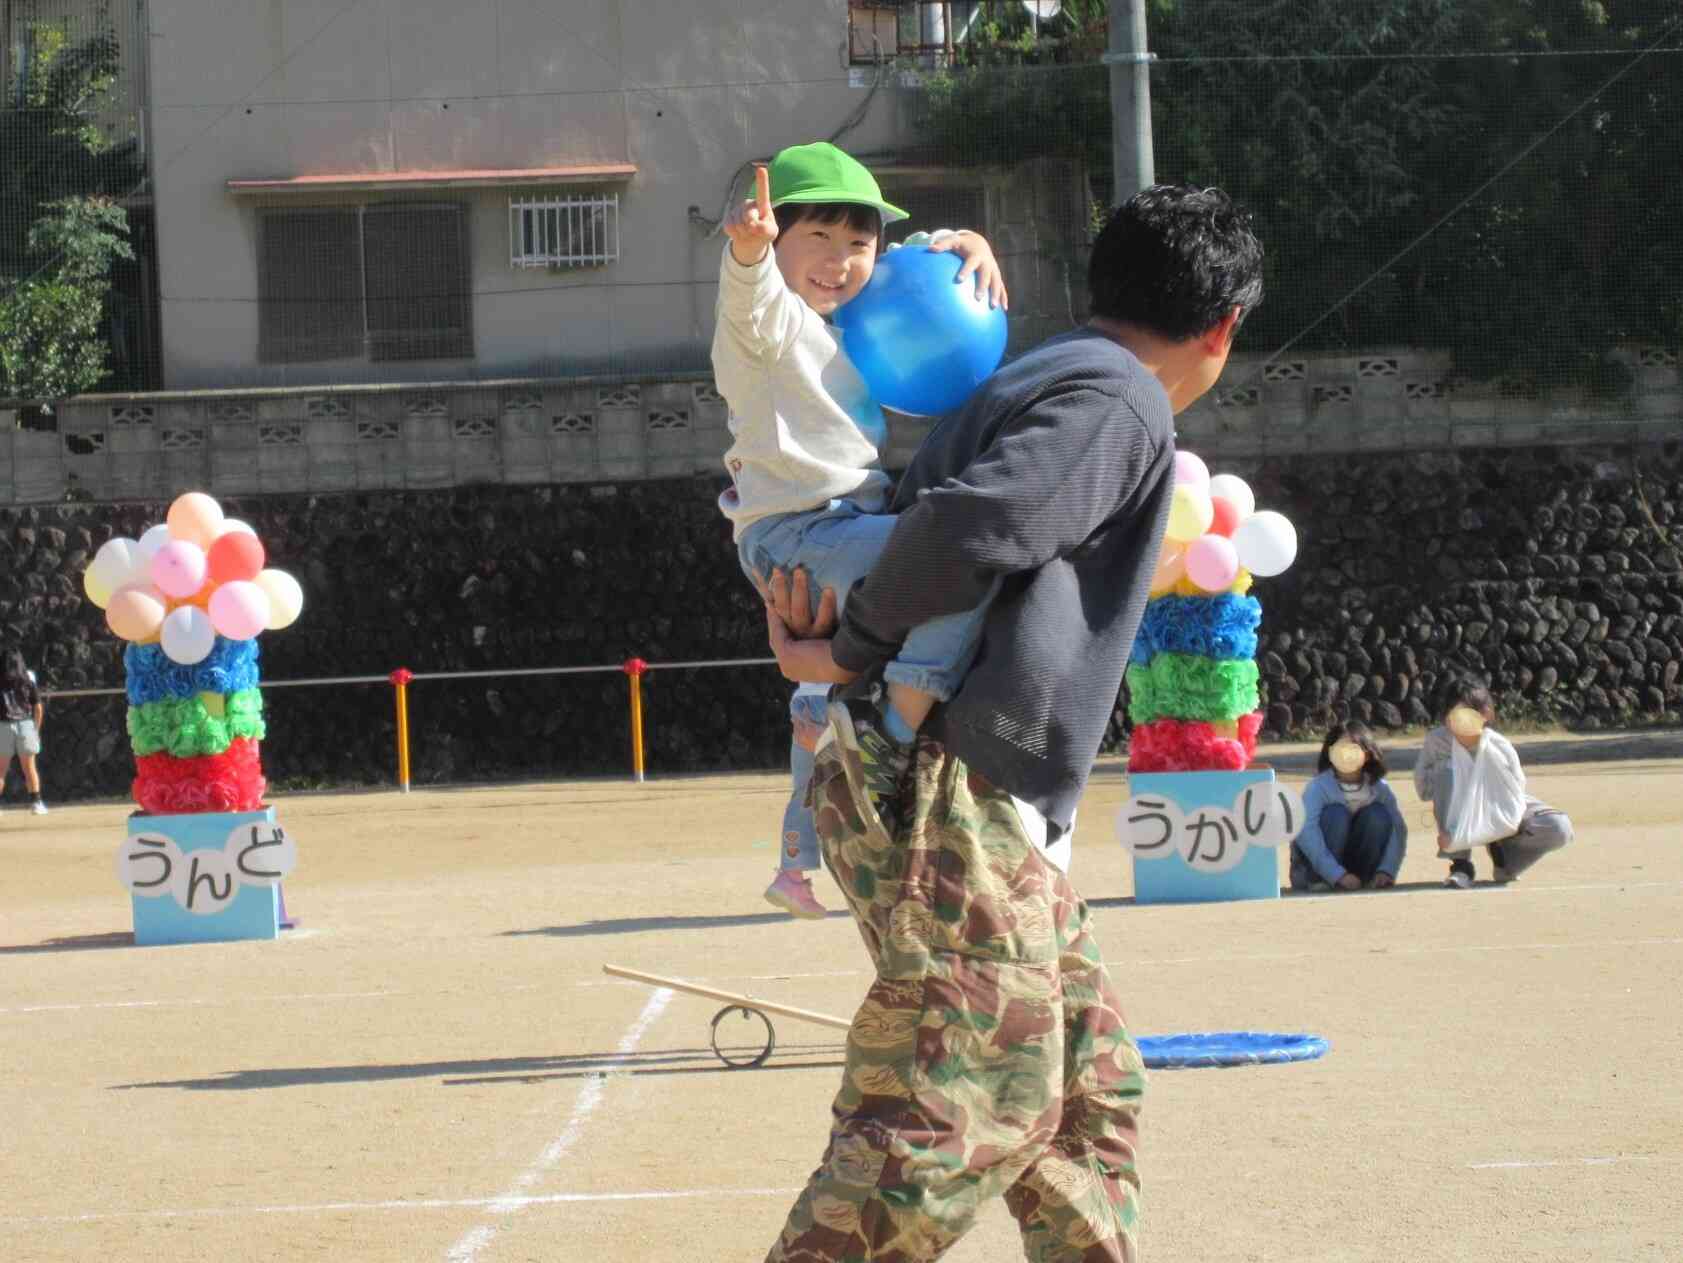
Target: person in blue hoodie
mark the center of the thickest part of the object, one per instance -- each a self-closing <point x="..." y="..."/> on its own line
<point x="1353" y="831"/>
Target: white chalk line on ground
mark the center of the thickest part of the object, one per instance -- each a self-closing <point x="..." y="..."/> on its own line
<point x="467" y="1249"/>
<point x="504" y="1202"/>
<point x="1525" y="1165"/>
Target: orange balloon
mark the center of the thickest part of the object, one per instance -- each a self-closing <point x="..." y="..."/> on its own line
<point x="135" y="613"/>
<point x="194" y="517"/>
<point x="1171" y="565"/>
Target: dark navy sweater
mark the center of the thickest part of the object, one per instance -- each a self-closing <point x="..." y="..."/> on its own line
<point x="1055" y="476"/>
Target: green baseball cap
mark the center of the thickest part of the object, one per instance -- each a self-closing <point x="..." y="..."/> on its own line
<point x="820" y="172"/>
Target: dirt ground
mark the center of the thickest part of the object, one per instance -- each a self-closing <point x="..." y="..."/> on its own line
<point x="433" y="1066"/>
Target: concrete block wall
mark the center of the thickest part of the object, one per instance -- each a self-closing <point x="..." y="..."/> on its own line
<point x="387" y="438"/>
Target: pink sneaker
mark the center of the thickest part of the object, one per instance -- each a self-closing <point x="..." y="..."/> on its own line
<point x="792" y="891"/>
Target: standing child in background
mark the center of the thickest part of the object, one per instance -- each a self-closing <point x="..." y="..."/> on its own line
<point x="20" y="725"/>
<point x="807" y="488"/>
<point x="1353" y="832"/>
<point x="1471" y="775"/>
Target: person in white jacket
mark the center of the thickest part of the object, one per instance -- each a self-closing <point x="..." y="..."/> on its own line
<point x="1472" y="777"/>
<point x="807" y="488"/>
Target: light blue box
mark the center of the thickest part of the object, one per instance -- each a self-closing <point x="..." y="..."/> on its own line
<point x="1169" y="878"/>
<point x="254" y="913"/>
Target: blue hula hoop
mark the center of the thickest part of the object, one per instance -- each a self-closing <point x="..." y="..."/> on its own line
<point x="1228" y="1048"/>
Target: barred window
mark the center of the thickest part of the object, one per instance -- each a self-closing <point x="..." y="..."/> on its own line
<point x="554" y="230"/>
<point x="389" y="282"/>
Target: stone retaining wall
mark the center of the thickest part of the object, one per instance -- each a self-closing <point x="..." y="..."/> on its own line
<point x="1538" y="567"/>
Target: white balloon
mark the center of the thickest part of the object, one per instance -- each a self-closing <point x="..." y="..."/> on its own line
<point x="1236" y="491"/>
<point x="1267" y="543"/>
<point x="115" y="563"/>
<point x="154" y="539"/>
<point x="286" y="598"/>
<point x="232" y="524"/>
<point x="187" y="635"/>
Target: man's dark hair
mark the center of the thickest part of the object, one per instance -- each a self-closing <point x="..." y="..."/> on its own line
<point x="856" y="215"/>
<point x="1175" y="260"/>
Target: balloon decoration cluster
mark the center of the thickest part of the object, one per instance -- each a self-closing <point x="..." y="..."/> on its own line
<point x="191" y="596"/>
<point x="1216" y="531"/>
<point x="1192" y="680"/>
<point x="191" y="578"/>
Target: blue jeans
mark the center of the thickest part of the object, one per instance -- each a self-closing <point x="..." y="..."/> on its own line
<point x="837" y="546"/>
<point x="1356" y="841"/>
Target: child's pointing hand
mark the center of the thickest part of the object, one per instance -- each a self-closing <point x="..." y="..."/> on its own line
<point x="750" y="225"/>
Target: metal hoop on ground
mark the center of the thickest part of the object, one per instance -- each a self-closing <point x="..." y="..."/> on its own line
<point x="738" y="1063"/>
<point x="735" y="1003"/>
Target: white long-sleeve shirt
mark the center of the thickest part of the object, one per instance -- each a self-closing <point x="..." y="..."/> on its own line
<point x="804" y="425"/>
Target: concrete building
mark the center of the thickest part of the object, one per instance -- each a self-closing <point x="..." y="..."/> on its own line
<point x="426" y="190"/>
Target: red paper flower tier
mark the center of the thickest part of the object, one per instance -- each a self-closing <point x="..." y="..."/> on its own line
<point x="230" y="781"/>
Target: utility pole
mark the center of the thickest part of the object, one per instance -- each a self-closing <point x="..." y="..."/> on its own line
<point x="1132" y="164"/>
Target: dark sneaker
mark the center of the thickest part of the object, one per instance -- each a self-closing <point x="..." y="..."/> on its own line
<point x="874" y="762"/>
<point x="1460" y="875"/>
<point x="1499" y="865"/>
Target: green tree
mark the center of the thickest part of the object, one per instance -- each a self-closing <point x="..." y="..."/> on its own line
<point x="60" y="228"/>
<point x="1358" y="133"/>
<point x="50" y="343"/>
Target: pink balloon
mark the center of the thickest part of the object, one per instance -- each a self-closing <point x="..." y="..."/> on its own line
<point x="179" y="569"/>
<point x="239" y="610"/>
<point x="1212" y="563"/>
<point x="1192" y="470"/>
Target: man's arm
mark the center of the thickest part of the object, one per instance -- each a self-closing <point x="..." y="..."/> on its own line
<point x="1050" y="479"/>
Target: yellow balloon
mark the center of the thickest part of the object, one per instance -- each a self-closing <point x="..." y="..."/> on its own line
<point x="1190" y="513"/>
<point x="286" y="598"/>
<point x="98" y="592"/>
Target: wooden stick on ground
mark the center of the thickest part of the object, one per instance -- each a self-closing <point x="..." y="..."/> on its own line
<point x="730" y="997"/>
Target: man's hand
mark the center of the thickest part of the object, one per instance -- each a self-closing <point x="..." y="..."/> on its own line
<point x="791" y="599"/>
<point x="751" y="226"/>
<point x="1349" y="882"/>
<point x="978" y="262"/>
<point x="800" y="638"/>
<point x="1444" y="841"/>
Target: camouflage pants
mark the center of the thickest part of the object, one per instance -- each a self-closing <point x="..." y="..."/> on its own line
<point x="988" y="1058"/>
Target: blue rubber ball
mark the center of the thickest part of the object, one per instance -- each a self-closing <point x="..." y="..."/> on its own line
<point x="921" y="341"/>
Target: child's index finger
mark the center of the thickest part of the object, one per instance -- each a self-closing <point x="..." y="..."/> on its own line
<point x="762" y="190"/>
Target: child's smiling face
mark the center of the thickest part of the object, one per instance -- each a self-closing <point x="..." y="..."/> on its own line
<point x="826" y="265"/>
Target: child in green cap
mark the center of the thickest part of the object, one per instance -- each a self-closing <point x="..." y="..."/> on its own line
<point x="807" y="487"/>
